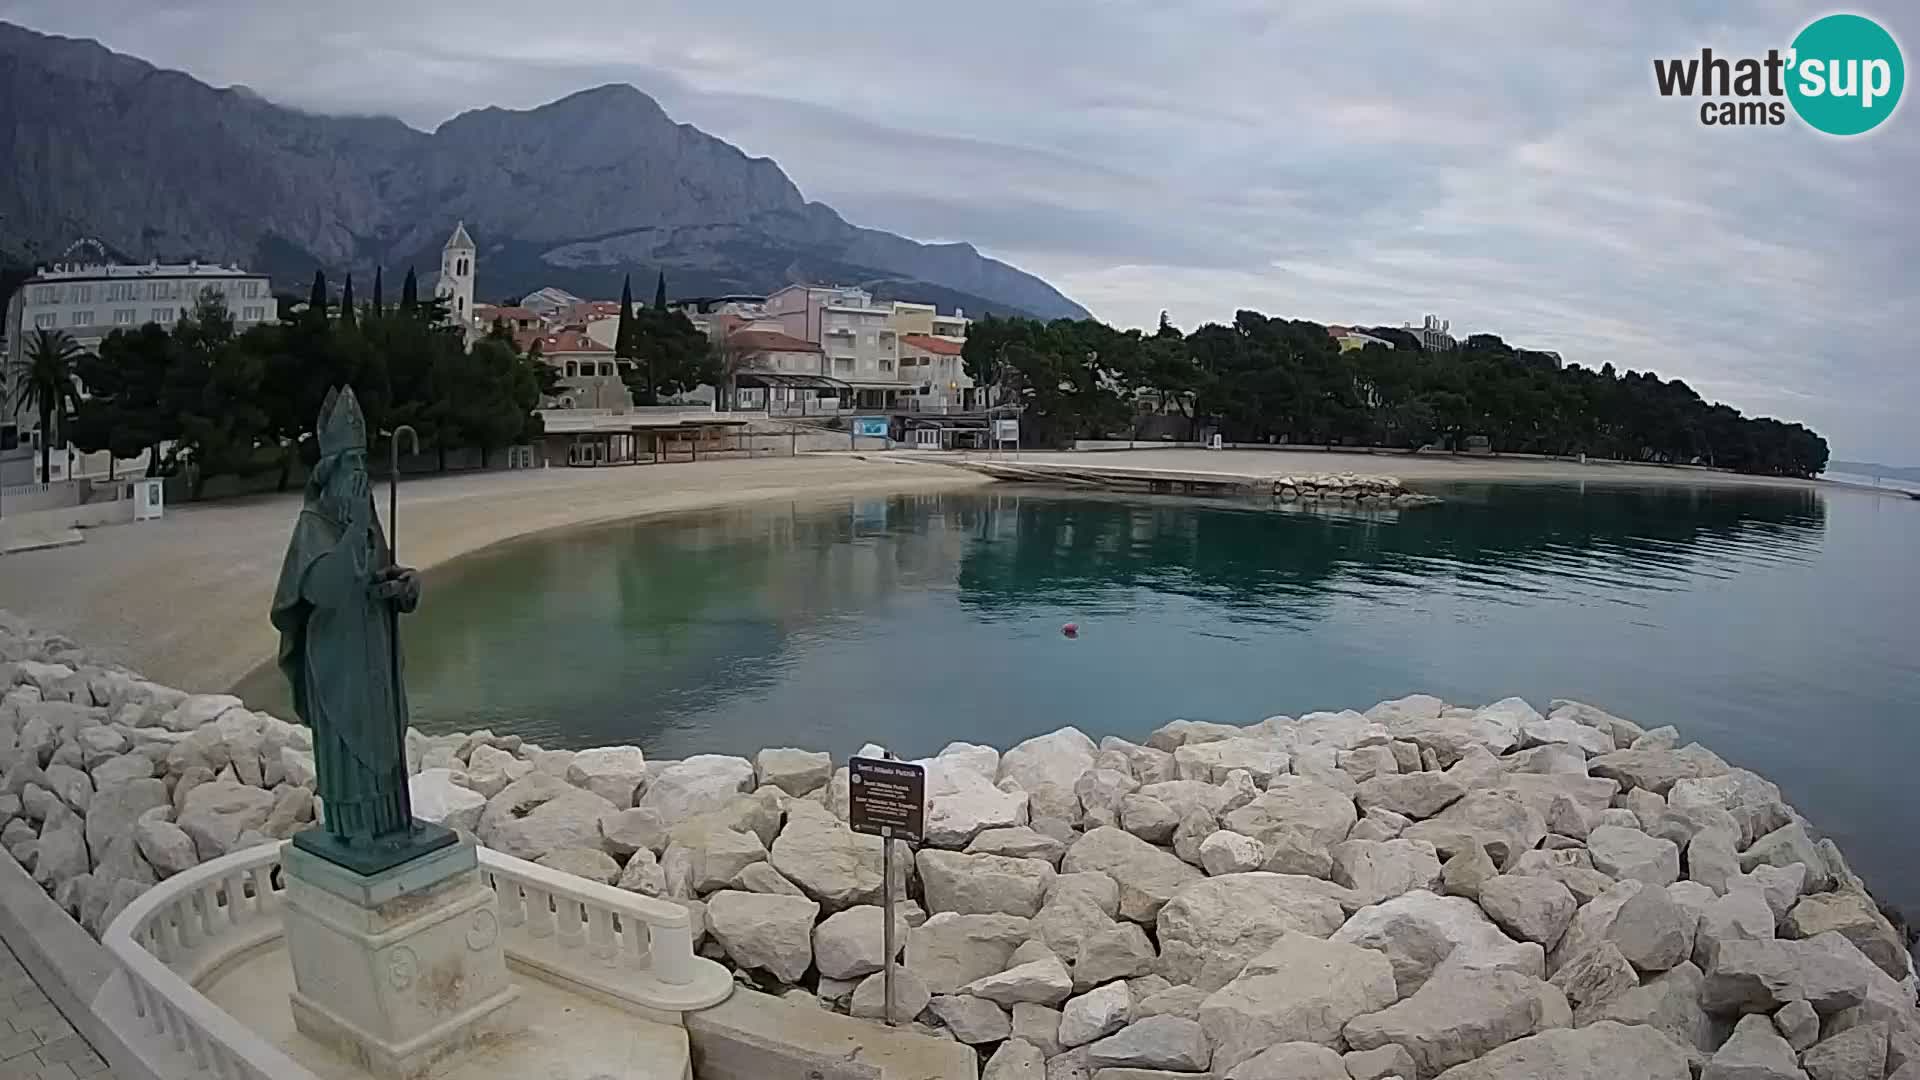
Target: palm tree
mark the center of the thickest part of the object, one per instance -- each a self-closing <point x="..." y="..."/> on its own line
<point x="45" y="382"/>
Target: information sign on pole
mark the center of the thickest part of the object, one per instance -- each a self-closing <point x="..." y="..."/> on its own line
<point x="888" y="799"/>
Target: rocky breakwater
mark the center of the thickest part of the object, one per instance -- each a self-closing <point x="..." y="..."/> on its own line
<point x="1414" y="891"/>
<point x="1348" y="487"/>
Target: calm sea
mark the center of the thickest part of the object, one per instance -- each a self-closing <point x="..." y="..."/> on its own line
<point x="1781" y="628"/>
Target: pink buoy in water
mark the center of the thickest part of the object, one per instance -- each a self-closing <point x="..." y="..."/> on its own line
<point x="1071" y="630"/>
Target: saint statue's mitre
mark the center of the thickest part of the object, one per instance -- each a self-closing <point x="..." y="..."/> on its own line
<point x="342" y="425"/>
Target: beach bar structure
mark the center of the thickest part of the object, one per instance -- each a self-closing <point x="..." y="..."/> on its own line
<point x="639" y="436"/>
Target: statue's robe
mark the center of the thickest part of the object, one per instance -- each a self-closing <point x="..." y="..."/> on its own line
<point x="337" y="649"/>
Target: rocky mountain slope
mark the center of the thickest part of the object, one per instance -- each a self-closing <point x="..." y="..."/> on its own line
<point x="574" y="193"/>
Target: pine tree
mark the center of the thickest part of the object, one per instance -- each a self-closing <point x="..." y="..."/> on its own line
<point x="379" y="303"/>
<point x="346" y="302"/>
<point x="623" y="337"/>
<point x="317" y="298"/>
<point x="660" y="292"/>
<point x="409" y="293"/>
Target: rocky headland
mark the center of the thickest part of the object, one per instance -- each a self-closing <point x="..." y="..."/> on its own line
<point x="1413" y="891"/>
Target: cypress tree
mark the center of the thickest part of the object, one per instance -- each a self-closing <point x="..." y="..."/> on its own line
<point x="317" y="298"/>
<point x="623" y="337"/>
<point x="378" y="300"/>
<point x="660" y="292"/>
<point x="346" y="301"/>
<point x="409" y="293"/>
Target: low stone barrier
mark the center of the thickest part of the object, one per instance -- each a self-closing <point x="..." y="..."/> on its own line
<point x="1416" y="890"/>
<point x="1349" y="487"/>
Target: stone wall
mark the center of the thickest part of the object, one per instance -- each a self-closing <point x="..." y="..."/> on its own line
<point x="1414" y="890"/>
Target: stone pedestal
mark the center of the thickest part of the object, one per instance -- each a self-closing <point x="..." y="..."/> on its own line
<point x="400" y="969"/>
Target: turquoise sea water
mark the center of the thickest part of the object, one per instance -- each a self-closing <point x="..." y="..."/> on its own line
<point x="1781" y="628"/>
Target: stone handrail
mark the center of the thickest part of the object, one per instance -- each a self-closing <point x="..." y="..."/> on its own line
<point x="166" y="926"/>
<point x="634" y="948"/>
<point x="637" y="948"/>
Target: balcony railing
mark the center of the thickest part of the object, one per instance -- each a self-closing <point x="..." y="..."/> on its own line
<point x="634" y="948"/>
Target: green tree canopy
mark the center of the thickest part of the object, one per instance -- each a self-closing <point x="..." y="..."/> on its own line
<point x="1265" y="379"/>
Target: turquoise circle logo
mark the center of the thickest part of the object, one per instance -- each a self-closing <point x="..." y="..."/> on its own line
<point x="1846" y="74"/>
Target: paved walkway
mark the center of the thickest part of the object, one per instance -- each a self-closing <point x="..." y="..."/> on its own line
<point x="35" y="1040"/>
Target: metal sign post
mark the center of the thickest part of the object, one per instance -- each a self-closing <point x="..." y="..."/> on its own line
<point x="886" y="914"/>
<point x="888" y="799"/>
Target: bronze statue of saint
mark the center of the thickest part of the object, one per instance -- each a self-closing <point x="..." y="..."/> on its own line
<point x="337" y="608"/>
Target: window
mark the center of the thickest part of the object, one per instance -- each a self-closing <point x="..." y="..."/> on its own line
<point x="82" y="294"/>
<point x="255" y="313"/>
<point x="249" y="290"/>
<point x="886" y="365"/>
<point x="161" y="315"/>
<point x="45" y="321"/>
<point x="843" y="363"/>
<point x="120" y="290"/>
<point x="573" y="370"/>
<point x="159" y="290"/>
<point x="46" y="294"/>
<point x="460" y="304"/>
<point x="83" y="318"/>
<point x="9" y="436"/>
<point x="123" y="317"/>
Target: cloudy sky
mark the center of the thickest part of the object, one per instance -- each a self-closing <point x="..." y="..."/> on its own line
<point x="1366" y="161"/>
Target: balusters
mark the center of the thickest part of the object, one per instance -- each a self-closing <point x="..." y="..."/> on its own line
<point x="198" y="1045"/>
<point x="600" y="934"/>
<point x="571" y="911"/>
<point x="513" y="908"/>
<point x="177" y="1027"/>
<point x="208" y="897"/>
<point x="183" y="915"/>
<point x="239" y="909"/>
<point x="633" y="942"/>
<point x="539" y="912"/>
<point x="263" y="888"/>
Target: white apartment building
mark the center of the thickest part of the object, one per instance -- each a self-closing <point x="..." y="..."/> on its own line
<point x="88" y="301"/>
<point x="1434" y="333"/>
<point x="856" y="334"/>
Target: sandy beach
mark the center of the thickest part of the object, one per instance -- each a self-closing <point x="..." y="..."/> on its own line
<point x="184" y="600"/>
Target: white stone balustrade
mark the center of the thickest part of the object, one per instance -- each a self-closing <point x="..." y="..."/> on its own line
<point x="178" y="931"/>
<point x="568" y="930"/>
<point x="637" y="948"/>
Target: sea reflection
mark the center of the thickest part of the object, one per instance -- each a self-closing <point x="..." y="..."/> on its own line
<point x="1776" y="626"/>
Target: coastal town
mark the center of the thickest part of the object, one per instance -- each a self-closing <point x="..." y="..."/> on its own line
<point x="802" y="359"/>
<point x="670" y="543"/>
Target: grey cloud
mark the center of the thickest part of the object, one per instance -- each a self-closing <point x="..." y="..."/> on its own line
<point x="1509" y="167"/>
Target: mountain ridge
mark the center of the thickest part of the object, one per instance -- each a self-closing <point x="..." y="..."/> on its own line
<point x="577" y="192"/>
